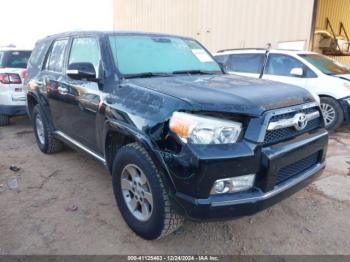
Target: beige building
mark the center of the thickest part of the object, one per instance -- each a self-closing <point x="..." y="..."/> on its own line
<point x="222" y="24"/>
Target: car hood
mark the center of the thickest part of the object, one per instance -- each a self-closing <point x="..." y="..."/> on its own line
<point x="345" y="77"/>
<point x="227" y="93"/>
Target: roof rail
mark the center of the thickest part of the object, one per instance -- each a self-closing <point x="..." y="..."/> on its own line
<point x="233" y="49"/>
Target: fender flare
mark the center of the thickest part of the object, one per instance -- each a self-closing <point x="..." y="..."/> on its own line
<point x="145" y="141"/>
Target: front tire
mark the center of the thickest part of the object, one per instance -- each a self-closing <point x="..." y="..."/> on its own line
<point x="140" y="194"/>
<point x="332" y="112"/>
<point x="44" y="136"/>
<point x="4" y="120"/>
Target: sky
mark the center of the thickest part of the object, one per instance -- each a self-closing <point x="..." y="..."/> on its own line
<point x="22" y="22"/>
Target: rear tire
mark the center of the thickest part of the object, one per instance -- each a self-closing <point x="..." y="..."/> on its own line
<point x="332" y="113"/>
<point x="44" y="136"/>
<point x="4" y="120"/>
<point x="160" y="219"/>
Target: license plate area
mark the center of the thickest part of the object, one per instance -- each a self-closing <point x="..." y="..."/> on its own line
<point x="281" y="162"/>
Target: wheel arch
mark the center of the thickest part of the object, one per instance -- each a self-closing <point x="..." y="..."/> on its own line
<point x="119" y="134"/>
<point x="32" y="101"/>
<point x="336" y="100"/>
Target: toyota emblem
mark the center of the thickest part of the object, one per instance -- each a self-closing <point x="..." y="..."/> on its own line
<point x="300" y="121"/>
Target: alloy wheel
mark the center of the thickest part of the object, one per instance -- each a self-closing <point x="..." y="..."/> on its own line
<point x="40" y="129"/>
<point x="329" y="113"/>
<point x="137" y="193"/>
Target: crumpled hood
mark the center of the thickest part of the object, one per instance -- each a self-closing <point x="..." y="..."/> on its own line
<point x="227" y="93"/>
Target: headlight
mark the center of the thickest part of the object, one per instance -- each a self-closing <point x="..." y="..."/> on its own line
<point x="233" y="184"/>
<point x="204" y="130"/>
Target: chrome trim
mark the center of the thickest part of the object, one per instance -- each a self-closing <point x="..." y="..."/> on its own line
<point x="278" y="189"/>
<point x="81" y="146"/>
<point x="292" y="122"/>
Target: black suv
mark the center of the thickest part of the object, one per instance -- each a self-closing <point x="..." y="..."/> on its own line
<point x="180" y="137"/>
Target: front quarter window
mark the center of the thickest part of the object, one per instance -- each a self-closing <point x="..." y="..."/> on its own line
<point x="137" y="54"/>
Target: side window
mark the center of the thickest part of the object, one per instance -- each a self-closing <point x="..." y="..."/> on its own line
<point x="36" y="57"/>
<point x="281" y="65"/>
<point x="1" y="55"/>
<point x="56" y="59"/>
<point x="246" y="63"/>
<point x="85" y="50"/>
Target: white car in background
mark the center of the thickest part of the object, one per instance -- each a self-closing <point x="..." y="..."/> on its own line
<point x="13" y="64"/>
<point x="317" y="73"/>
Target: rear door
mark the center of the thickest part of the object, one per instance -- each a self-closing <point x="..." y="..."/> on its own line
<point x="245" y="64"/>
<point x="52" y="77"/>
<point x="279" y="67"/>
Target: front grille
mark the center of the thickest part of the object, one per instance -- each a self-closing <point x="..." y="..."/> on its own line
<point x="297" y="168"/>
<point x="275" y="136"/>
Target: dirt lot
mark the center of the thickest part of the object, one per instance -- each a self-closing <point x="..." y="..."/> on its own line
<point x="38" y="216"/>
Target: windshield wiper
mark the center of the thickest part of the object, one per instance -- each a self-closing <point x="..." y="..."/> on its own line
<point x="147" y="74"/>
<point x="195" y="72"/>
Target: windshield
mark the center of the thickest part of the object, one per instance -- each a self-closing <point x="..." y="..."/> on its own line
<point x="135" y="55"/>
<point x="15" y="59"/>
<point x="326" y="65"/>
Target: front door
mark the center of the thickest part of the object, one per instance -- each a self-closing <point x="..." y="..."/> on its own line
<point x="279" y="68"/>
<point x="84" y="96"/>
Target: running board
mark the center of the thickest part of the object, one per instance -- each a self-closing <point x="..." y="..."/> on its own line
<point x="80" y="146"/>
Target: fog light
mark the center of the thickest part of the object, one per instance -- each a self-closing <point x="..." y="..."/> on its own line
<point x="233" y="184"/>
<point x="222" y="186"/>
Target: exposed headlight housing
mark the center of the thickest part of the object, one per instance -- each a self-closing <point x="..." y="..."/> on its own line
<point x="206" y="130"/>
<point x="233" y="184"/>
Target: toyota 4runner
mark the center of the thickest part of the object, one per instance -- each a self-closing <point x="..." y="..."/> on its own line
<point x="181" y="138"/>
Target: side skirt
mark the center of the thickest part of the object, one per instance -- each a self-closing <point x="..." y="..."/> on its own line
<point x="70" y="141"/>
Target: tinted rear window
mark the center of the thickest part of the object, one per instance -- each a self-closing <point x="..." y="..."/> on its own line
<point x="56" y="58"/>
<point x="37" y="55"/>
<point x="1" y="56"/>
<point x="246" y="63"/>
<point x="15" y="59"/>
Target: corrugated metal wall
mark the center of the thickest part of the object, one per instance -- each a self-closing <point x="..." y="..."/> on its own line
<point x="337" y="11"/>
<point x="220" y="24"/>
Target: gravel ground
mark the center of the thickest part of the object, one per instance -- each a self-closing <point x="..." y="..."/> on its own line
<point x="64" y="204"/>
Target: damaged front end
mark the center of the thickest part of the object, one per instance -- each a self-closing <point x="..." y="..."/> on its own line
<point x="219" y="180"/>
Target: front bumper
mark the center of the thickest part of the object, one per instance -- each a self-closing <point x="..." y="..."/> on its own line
<point x="345" y="103"/>
<point x="13" y="110"/>
<point x="244" y="204"/>
<point x="265" y="162"/>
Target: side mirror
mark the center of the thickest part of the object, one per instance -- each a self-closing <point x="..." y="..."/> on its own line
<point x="82" y="71"/>
<point x="297" y="72"/>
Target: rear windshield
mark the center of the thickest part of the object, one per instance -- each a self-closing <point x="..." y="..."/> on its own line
<point x="326" y="65"/>
<point x="15" y="59"/>
<point x="136" y="54"/>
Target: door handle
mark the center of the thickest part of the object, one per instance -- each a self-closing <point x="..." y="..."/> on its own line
<point x="62" y="90"/>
